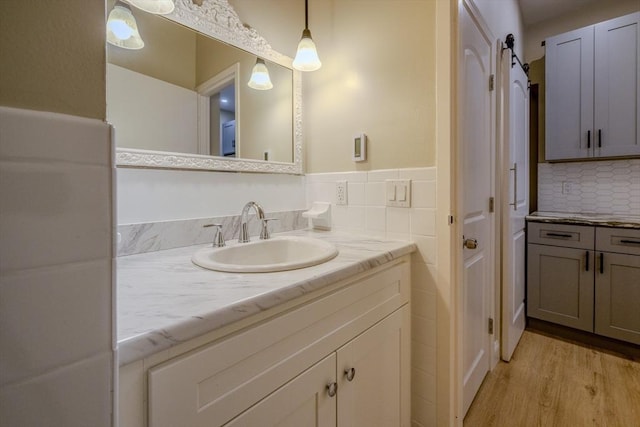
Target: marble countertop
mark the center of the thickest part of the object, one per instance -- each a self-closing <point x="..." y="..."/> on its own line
<point x="601" y="220"/>
<point x="165" y="300"/>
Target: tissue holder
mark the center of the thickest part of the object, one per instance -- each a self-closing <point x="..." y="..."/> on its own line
<point x="319" y="215"/>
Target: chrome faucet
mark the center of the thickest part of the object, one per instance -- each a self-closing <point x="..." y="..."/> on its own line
<point x="243" y="236"/>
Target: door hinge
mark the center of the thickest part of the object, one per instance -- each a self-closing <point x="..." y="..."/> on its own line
<point x="492" y="82"/>
<point x="450" y="219"/>
<point x="490" y="326"/>
<point x="492" y="203"/>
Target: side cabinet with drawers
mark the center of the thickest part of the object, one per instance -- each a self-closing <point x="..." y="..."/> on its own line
<point x="585" y="277"/>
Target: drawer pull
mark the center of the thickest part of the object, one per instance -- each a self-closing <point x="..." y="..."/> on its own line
<point x="599" y="138"/>
<point x="566" y="236"/>
<point x="350" y="373"/>
<point x="601" y="263"/>
<point x="588" y="139"/>
<point x="630" y="242"/>
<point x="587" y="261"/>
<point x="332" y="389"/>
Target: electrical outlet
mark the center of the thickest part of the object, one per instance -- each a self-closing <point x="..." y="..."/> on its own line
<point x="567" y="187"/>
<point x="341" y="192"/>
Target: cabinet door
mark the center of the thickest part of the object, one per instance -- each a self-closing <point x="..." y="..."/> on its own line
<point x="304" y="401"/>
<point x="569" y="95"/>
<point x="617" y="77"/>
<point x="373" y="375"/>
<point x="560" y="285"/>
<point x="618" y="296"/>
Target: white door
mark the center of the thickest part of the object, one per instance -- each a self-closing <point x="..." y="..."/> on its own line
<point x="477" y="154"/>
<point x="515" y="206"/>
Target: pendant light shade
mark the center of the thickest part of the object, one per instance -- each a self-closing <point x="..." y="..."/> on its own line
<point x="122" y="29"/>
<point x="307" y="56"/>
<point x="158" y="7"/>
<point x="260" y="79"/>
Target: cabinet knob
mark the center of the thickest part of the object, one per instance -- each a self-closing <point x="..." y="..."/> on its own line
<point x="332" y="389"/>
<point x="350" y="373"/>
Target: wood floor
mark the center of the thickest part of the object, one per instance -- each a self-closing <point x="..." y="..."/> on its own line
<point x="550" y="382"/>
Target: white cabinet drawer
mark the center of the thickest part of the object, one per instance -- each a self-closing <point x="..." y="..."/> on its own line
<point x="620" y="240"/>
<point x="210" y="386"/>
<point x="565" y="235"/>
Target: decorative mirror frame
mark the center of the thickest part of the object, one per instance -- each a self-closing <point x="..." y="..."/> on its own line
<point x="218" y="19"/>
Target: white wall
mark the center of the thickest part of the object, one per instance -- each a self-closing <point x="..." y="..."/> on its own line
<point x="503" y="17"/>
<point x="56" y="250"/>
<point x="146" y="195"/>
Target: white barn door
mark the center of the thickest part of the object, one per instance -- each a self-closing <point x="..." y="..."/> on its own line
<point x="515" y="200"/>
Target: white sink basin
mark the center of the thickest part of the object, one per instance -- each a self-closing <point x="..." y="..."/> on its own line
<point x="261" y="256"/>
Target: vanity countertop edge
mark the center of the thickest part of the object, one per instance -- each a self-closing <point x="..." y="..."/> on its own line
<point x="164" y="300"/>
<point x="589" y="219"/>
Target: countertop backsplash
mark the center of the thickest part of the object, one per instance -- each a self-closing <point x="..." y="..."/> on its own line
<point x="157" y="236"/>
<point x="603" y="187"/>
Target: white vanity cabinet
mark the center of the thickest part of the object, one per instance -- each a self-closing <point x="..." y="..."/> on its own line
<point x="339" y="358"/>
<point x="585" y="277"/>
<point x="592" y="82"/>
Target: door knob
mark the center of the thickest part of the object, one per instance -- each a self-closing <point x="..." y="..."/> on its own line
<point x="470" y="243"/>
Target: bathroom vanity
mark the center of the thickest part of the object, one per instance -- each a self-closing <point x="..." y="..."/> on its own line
<point x="324" y="345"/>
<point x="584" y="272"/>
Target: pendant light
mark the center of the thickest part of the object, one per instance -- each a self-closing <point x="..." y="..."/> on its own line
<point x="158" y="7"/>
<point x="122" y="29"/>
<point x="260" y="79"/>
<point x="307" y="55"/>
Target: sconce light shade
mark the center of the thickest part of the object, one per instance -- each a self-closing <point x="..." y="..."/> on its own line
<point x="260" y="79"/>
<point x="159" y="7"/>
<point x="122" y="30"/>
<point x="307" y="56"/>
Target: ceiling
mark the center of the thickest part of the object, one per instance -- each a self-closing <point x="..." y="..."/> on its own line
<point x="534" y="11"/>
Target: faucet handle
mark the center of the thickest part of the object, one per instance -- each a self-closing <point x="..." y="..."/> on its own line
<point x="218" y="238"/>
<point x="264" y="233"/>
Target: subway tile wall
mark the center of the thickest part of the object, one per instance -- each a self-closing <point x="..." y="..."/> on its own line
<point x="606" y="187"/>
<point x="56" y="258"/>
<point x="366" y="213"/>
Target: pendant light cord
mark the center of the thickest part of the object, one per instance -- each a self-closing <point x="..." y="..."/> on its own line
<point x="306" y="14"/>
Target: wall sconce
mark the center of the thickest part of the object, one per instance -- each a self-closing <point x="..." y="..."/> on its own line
<point x="122" y="29"/>
<point x="158" y="7"/>
<point x="307" y="56"/>
<point x="260" y="79"/>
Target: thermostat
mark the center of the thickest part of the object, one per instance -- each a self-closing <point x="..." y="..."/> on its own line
<point x="360" y="148"/>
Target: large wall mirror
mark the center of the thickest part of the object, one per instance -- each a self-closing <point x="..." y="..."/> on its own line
<point x="183" y="100"/>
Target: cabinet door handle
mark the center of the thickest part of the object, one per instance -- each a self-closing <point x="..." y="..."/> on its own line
<point x="630" y="242"/>
<point x="587" y="262"/>
<point x="558" y="235"/>
<point x="601" y="263"/>
<point x="515" y="186"/>
<point x="350" y="373"/>
<point x="599" y="138"/>
<point x="588" y="139"/>
<point x="332" y="389"/>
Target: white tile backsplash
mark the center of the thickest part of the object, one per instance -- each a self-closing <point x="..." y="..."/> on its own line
<point x="56" y="270"/>
<point x="606" y="187"/>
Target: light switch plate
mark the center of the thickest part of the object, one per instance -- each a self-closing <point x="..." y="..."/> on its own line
<point x="399" y="193"/>
<point x="341" y="192"/>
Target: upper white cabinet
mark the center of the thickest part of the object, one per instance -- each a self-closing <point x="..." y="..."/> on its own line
<point x="592" y="97"/>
